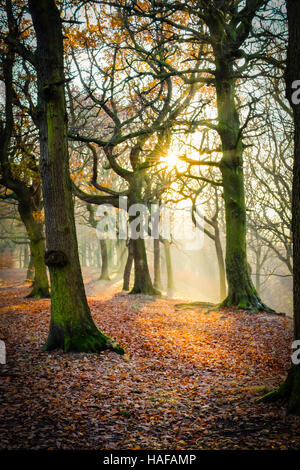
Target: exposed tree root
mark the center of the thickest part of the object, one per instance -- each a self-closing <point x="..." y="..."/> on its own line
<point x="38" y="293"/>
<point x="87" y="342"/>
<point x="217" y="307"/>
<point x="289" y="392"/>
<point x="270" y="397"/>
<point x="149" y="291"/>
<point x="251" y="303"/>
<point x="194" y="305"/>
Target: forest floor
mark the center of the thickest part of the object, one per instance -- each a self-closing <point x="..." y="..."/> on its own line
<point x="188" y="380"/>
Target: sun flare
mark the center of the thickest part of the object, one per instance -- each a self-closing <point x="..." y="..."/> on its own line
<point x="172" y="160"/>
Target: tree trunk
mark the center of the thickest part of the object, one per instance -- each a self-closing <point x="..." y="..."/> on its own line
<point x="104" y="261"/>
<point x="128" y="267"/>
<point x="40" y="288"/>
<point x="293" y="74"/>
<point x="241" y="291"/>
<point x="170" y="279"/>
<point x="142" y="279"/>
<point x="221" y="265"/>
<point x="290" y="389"/>
<point x="71" y="325"/>
<point x="157" y="276"/>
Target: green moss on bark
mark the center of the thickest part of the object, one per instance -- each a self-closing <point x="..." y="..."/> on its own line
<point x="78" y="340"/>
<point x="289" y="392"/>
<point x="72" y="327"/>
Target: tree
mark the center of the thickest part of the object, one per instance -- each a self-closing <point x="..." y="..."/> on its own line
<point x="139" y="112"/>
<point x="218" y="32"/>
<point x="16" y="160"/>
<point x="71" y="326"/>
<point x="104" y="276"/>
<point x="269" y="181"/>
<point x="290" y="389"/>
<point x="212" y="226"/>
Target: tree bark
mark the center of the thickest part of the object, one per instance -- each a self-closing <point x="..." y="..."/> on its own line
<point x="241" y="291"/>
<point x="293" y="74"/>
<point x="71" y="325"/>
<point x="142" y="279"/>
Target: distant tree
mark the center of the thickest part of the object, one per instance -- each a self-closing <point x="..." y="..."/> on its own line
<point x="104" y="276"/>
<point x="136" y="110"/>
<point x="215" y="34"/>
<point x="269" y="182"/>
<point x="18" y="167"/>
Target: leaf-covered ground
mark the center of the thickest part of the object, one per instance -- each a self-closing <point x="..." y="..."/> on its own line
<point x="188" y="380"/>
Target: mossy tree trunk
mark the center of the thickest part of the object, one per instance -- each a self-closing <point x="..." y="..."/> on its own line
<point x="241" y="291"/>
<point x="40" y="288"/>
<point x="221" y="264"/>
<point x="142" y="279"/>
<point x="71" y="325"/>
